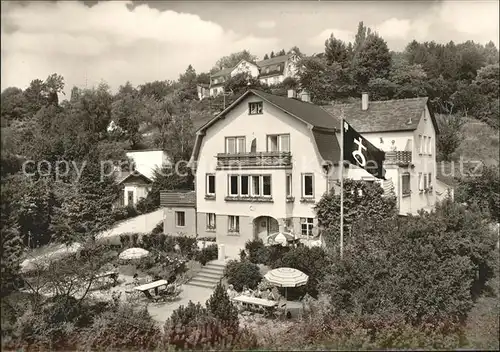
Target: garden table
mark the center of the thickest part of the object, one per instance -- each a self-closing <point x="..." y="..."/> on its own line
<point x="152" y="285"/>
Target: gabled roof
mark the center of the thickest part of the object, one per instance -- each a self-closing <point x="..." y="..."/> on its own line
<point x="313" y="115"/>
<point x="177" y="198"/>
<point x="273" y="61"/>
<point x="125" y="177"/>
<point x="384" y="116"/>
<point x="308" y="113"/>
<point x="223" y="72"/>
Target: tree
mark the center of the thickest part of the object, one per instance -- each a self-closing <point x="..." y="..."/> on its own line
<point x="127" y="112"/>
<point x="266" y="57"/>
<point x="13" y="104"/>
<point x="371" y="60"/>
<point x="219" y="305"/>
<point x="450" y="136"/>
<point x="296" y="51"/>
<point x="156" y="89"/>
<point x="483" y="190"/>
<point x="362" y="201"/>
<point x="336" y="51"/>
<point x="411" y="80"/>
<point x="361" y="35"/>
<point x="233" y="59"/>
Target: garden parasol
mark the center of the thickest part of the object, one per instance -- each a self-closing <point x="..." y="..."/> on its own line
<point x="133" y="253"/>
<point x="286" y="277"/>
<point x="281" y="237"/>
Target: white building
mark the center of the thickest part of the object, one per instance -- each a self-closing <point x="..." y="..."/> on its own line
<point x="137" y="183"/>
<point x="262" y="164"/>
<point x="270" y="71"/>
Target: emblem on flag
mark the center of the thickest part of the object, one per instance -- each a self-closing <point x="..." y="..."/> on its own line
<point x="360" y="152"/>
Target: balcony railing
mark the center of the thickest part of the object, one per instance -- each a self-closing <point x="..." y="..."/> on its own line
<point x="400" y="158"/>
<point x="271" y="160"/>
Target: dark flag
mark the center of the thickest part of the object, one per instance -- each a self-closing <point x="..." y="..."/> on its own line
<point x="358" y="151"/>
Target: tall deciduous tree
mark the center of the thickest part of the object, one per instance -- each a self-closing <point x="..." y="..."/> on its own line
<point x="372" y="60"/>
<point x="336" y="51"/>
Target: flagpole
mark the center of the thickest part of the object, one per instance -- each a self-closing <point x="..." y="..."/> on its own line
<point x="341" y="183"/>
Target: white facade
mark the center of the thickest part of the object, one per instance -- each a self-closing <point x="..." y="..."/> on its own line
<point x="423" y="157"/>
<point x="238" y="122"/>
<point x="146" y="161"/>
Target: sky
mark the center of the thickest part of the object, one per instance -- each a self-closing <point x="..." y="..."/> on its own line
<point x="118" y="41"/>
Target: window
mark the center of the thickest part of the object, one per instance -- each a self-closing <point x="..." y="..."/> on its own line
<point x="279" y="142"/>
<point x="425" y="181"/>
<point x="255" y="185"/>
<point x="267" y="185"/>
<point x="307" y="226"/>
<point x="429" y="181"/>
<point x="180" y="219"/>
<point x="429" y="146"/>
<point x="255" y="108"/>
<point x="420" y="184"/>
<point x="307" y="185"/>
<point x="234" y="224"/>
<point x="233" y="185"/>
<point x="405" y="182"/>
<point x="244" y="186"/>
<point x="235" y="145"/>
<point x="210" y="186"/>
<point x="420" y="143"/>
<point x="211" y="221"/>
<point x="289" y="185"/>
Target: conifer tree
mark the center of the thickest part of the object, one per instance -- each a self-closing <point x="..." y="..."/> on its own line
<point x="220" y="306"/>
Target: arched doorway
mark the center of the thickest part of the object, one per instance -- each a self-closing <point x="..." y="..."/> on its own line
<point x="263" y="226"/>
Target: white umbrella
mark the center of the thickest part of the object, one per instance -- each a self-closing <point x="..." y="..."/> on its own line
<point x="133" y="253"/>
<point x="286" y="277"/>
<point x="280" y="237"/>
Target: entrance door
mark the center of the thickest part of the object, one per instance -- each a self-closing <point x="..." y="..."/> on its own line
<point x="130" y="198"/>
<point x="263" y="228"/>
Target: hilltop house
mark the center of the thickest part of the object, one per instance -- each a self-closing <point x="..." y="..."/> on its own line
<point x="137" y="183"/>
<point x="270" y="71"/>
<point x="263" y="163"/>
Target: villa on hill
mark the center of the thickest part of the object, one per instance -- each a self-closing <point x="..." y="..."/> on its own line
<point x="264" y="162"/>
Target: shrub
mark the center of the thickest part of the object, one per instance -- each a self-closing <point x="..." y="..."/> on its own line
<point x="207" y="254"/>
<point x="207" y="239"/>
<point x="125" y="240"/>
<point x="427" y="268"/>
<point x="187" y="245"/>
<point x="256" y="249"/>
<point x="362" y="201"/>
<point x="240" y="274"/>
<point x="220" y="306"/>
<point x="145" y="205"/>
<point x="311" y="261"/>
<point x="120" y="214"/>
<point x="122" y="328"/>
<point x="158" y="229"/>
<point x="189" y="315"/>
<point x="131" y="211"/>
<point x="275" y="253"/>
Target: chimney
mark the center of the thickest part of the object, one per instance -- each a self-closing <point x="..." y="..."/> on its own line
<point x="305" y="96"/>
<point x="292" y="93"/>
<point x="364" y="101"/>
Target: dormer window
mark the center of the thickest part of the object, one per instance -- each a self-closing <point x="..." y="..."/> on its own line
<point x="255" y="108"/>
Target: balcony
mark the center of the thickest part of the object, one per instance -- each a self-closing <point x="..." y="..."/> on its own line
<point x="262" y="160"/>
<point x="399" y="158"/>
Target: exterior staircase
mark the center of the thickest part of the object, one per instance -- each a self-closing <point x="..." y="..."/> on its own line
<point x="209" y="275"/>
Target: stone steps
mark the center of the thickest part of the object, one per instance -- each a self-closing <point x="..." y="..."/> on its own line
<point x="209" y="275"/>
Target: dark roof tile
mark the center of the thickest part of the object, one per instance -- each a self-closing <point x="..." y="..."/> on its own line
<point x="177" y="198"/>
<point x="382" y="116"/>
<point x="273" y="61"/>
